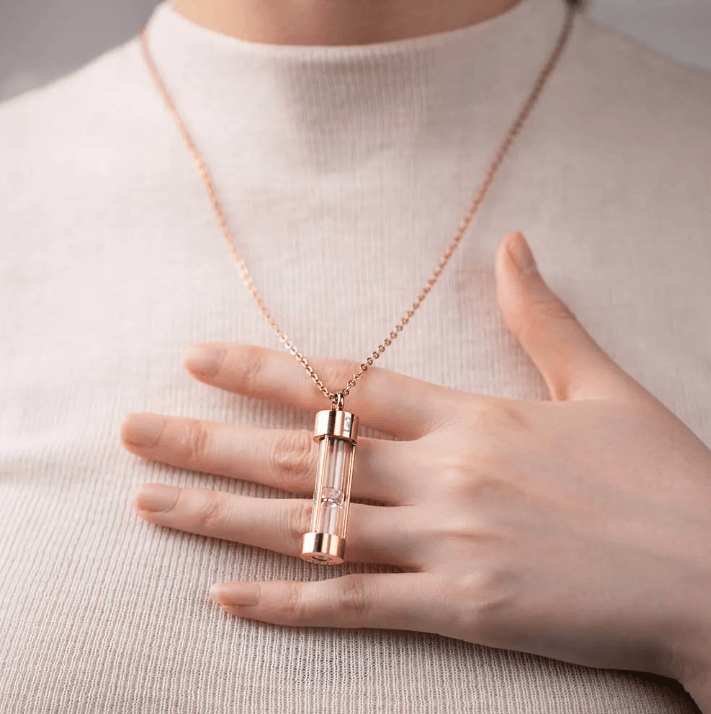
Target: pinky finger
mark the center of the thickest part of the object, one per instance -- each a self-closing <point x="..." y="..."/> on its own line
<point x="392" y="601"/>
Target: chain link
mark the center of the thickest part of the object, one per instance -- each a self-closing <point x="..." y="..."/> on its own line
<point x="336" y="398"/>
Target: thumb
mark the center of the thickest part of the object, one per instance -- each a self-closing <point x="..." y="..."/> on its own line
<point x="573" y="365"/>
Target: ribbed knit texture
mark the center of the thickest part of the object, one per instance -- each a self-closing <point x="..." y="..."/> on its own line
<point x="344" y="172"/>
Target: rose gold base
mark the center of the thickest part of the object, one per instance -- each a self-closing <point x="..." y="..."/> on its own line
<point x="323" y="548"/>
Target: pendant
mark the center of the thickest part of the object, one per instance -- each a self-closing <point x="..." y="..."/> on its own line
<point x="336" y="431"/>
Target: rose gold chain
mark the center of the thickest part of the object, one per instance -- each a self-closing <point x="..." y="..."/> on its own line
<point x="466" y="220"/>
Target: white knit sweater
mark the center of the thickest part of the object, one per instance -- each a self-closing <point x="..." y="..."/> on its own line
<point x="344" y="172"/>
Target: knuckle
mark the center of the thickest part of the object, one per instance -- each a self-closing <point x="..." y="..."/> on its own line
<point x="454" y="474"/>
<point x="340" y="371"/>
<point x="298" y="521"/>
<point x="512" y="417"/>
<point x="481" y="598"/>
<point x="493" y="416"/>
<point x="211" y="511"/>
<point x="293" y="455"/>
<point x="466" y="533"/>
<point x="473" y="477"/>
<point x="453" y="478"/>
<point x="197" y="439"/>
<point x="479" y="524"/>
<point x="481" y="485"/>
<point x="292" y="603"/>
<point x="253" y="360"/>
<point x="333" y="371"/>
<point x="352" y="595"/>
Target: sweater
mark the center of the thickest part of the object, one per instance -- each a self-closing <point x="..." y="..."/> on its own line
<point x="344" y="172"/>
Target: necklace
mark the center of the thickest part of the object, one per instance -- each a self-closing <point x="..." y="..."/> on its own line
<point x="336" y="430"/>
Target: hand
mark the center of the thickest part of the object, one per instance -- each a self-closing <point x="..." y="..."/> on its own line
<point x="577" y="528"/>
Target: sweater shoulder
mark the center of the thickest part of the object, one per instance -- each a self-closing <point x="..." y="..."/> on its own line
<point x="616" y="66"/>
<point x="637" y="116"/>
<point x="75" y="103"/>
<point x="79" y="131"/>
<point x="635" y="50"/>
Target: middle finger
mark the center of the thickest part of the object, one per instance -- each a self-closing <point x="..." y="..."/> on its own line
<point x="282" y="458"/>
<point x="375" y="534"/>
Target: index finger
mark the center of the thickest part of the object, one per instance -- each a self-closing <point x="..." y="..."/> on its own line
<point x="393" y="403"/>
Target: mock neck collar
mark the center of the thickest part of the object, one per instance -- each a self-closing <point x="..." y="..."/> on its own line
<point x="333" y="107"/>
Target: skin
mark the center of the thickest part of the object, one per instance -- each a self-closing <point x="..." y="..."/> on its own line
<point x="575" y="528"/>
<point x="337" y="22"/>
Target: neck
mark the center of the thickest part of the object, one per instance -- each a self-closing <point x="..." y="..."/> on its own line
<point x="337" y="22"/>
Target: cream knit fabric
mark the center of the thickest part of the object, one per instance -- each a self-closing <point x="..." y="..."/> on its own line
<point x="344" y="172"/>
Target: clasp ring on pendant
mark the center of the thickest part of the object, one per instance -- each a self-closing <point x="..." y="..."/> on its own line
<point x="337" y="401"/>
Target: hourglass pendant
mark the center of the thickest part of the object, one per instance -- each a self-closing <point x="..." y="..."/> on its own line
<point x="336" y="432"/>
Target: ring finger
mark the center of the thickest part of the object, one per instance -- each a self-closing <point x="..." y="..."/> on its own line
<point x="375" y="534"/>
<point x="282" y="458"/>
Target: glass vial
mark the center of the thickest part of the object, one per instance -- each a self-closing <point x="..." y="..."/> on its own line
<point x="336" y="432"/>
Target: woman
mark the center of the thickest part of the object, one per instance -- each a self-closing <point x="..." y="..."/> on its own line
<point x="532" y="477"/>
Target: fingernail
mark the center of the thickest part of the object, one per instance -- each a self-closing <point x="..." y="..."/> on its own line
<point x="156" y="497"/>
<point x="142" y="429"/>
<point x="203" y="360"/>
<point x="235" y="594"/>
<point x="521" y="254"/>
